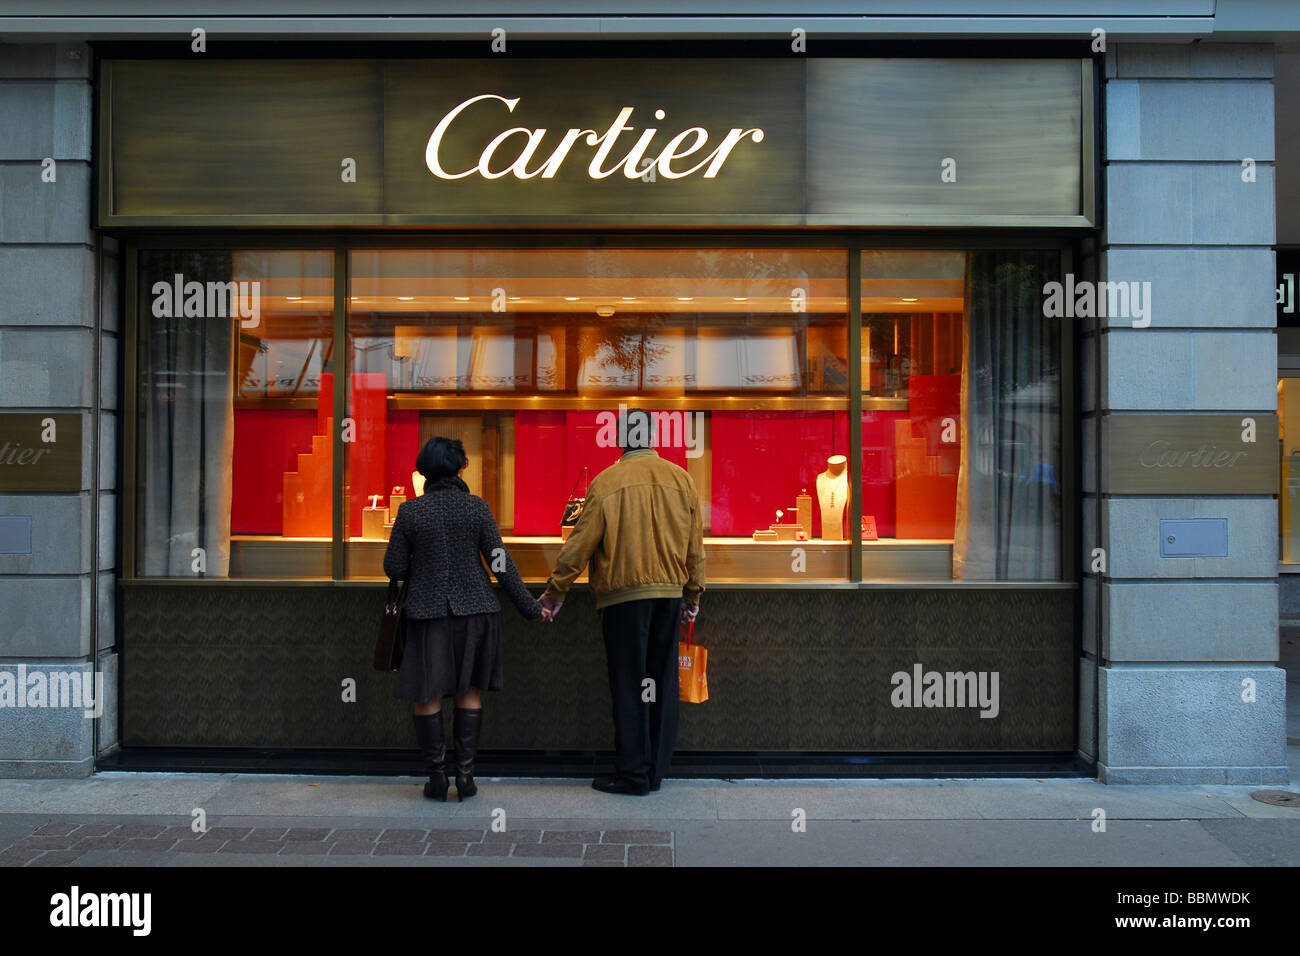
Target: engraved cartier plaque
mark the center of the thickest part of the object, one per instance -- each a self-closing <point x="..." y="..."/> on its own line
<point x="1190" y="454"/>
<point x="40" y="451"/>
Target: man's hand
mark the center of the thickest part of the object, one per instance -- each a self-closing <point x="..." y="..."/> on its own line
<point x="550" y="607"/>
<point x="689" y="613"/>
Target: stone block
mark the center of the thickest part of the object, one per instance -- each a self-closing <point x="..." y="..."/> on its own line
<point x="108" y="666"/>
<point x="53" y="740"/>
<point x="107" y="450"/>
<point x="47" y="285"/>
<point x="1131" y="529"/>
<point x="106" y="611"/>
<point x="44" y="617"/>
<point x="108" y="381"/>
<point x="1158" y="370"/>
<point x="1180" y="724"/>
<point x="107" y="559"/>
<point x="1189" y="621"/>
<point x="60" y="534"/>
<point x="50" y="120"/>
<point x="1194" y="60"/>
<point x="35" y="212"/>
<point x="46" y="368"/>
<point x="44" y="61"/>
<point x="1157" y="204"/>
<point x="1199" y="288"/>
<point x="1180" y="120"/>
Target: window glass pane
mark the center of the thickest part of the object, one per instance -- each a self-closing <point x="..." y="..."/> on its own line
<point x="234" y="466"/>
<point x="961" y="416"/>
<point x="526" y="355"/>
<point x="1288" y="414"/>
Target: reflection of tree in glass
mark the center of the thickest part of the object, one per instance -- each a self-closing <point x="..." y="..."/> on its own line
<point x="624" y="348"/>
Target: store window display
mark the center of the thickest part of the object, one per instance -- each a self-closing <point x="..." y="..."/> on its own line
<point x="527" y="355"/>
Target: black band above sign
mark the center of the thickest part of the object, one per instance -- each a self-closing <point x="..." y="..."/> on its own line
<point x="849" y="142"/>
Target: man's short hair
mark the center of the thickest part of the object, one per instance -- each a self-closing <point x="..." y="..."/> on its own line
<point x="635" y="429"/>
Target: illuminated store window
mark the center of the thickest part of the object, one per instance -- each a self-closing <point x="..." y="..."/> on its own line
<point x="526" y="355"/>
<point x="1288" y="415"/>
<point x="961" y="409"/>
<point x="233" y="413"/>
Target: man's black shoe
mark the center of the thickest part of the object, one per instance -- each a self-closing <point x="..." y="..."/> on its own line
<point x="654" y="787"/>
<point x="613" y="784"/>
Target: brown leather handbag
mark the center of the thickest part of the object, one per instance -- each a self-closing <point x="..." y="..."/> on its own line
<point x="392" y="629"/>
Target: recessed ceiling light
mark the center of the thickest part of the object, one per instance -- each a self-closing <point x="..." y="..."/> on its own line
<point x="629" y="298"/>
<point x="572" y="298"/>
<point x="740" y="298"/>
<point x="461" y="298"/>
<point x="686" y="298"/>
<point x="406" y="298"/>
<point x="909" y="300"/>
<point x="514" y="298"/>
<point x="294" y="298"/>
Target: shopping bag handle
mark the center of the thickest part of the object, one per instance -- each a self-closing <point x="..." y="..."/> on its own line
<point x="689" y="631"/>
<point x="581" y="476"/>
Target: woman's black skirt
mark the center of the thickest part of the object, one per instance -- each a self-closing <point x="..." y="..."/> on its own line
<point x="448" y="655"/>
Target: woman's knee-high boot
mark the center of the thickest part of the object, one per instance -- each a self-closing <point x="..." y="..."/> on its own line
<point x="465" y="734"/>
<point x="433" y="748"/>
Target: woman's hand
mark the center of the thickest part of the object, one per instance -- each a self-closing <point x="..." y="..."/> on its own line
<point x="550" y="607"/>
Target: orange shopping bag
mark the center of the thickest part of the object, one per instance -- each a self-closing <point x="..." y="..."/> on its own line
<point x="692" y="669"/>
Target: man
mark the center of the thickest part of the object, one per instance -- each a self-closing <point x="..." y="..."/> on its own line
<point x="642" y="530"/>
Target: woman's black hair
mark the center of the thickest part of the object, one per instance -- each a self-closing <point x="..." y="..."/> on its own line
<point x="440" y="457"/>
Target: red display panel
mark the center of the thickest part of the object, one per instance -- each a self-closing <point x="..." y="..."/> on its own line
<point x="267" y="444"/>
<point x="762" y="460"/>
<point x="551" y="449"/>
<point x="879" y="469"/>
<point x="403" y="445"/>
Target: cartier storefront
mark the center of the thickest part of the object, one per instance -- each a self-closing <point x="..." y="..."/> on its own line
<point x="824" y="276"/>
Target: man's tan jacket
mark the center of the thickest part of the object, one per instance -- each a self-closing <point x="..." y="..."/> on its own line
<point x="642" y="530"/>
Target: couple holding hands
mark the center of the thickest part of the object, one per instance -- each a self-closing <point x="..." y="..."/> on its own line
<point x="642" y="531"/>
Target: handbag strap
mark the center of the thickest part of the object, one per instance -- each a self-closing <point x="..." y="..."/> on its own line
<point x="396" y="592"/>
<point x="581" y="475"/>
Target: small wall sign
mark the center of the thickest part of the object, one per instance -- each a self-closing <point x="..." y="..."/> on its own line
<point x="40" y="451"/>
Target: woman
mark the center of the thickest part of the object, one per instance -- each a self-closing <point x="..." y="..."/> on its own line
<point x="453" y="635"/>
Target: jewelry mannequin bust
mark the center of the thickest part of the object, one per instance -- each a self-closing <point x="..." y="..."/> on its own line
<point x="833" y="496"/>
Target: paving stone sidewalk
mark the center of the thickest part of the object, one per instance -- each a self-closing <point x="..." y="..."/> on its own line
<point x="66" y="842"/>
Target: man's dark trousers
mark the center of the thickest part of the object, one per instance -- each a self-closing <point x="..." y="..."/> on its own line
<point x="641" y="642"/>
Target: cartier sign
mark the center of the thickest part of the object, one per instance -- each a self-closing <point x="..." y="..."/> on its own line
<point x="1190" y="454"/>
<point x="634" y="164"/>
<point x="597" y="141"/>
<point x="40" y="451"/>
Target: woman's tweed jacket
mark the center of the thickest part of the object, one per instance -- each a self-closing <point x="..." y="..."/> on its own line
<point x="436" y="542"/>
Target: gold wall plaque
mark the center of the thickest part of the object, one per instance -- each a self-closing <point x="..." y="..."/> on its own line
<point x="1189" y="454"/>
<point x="40" y="451"/>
